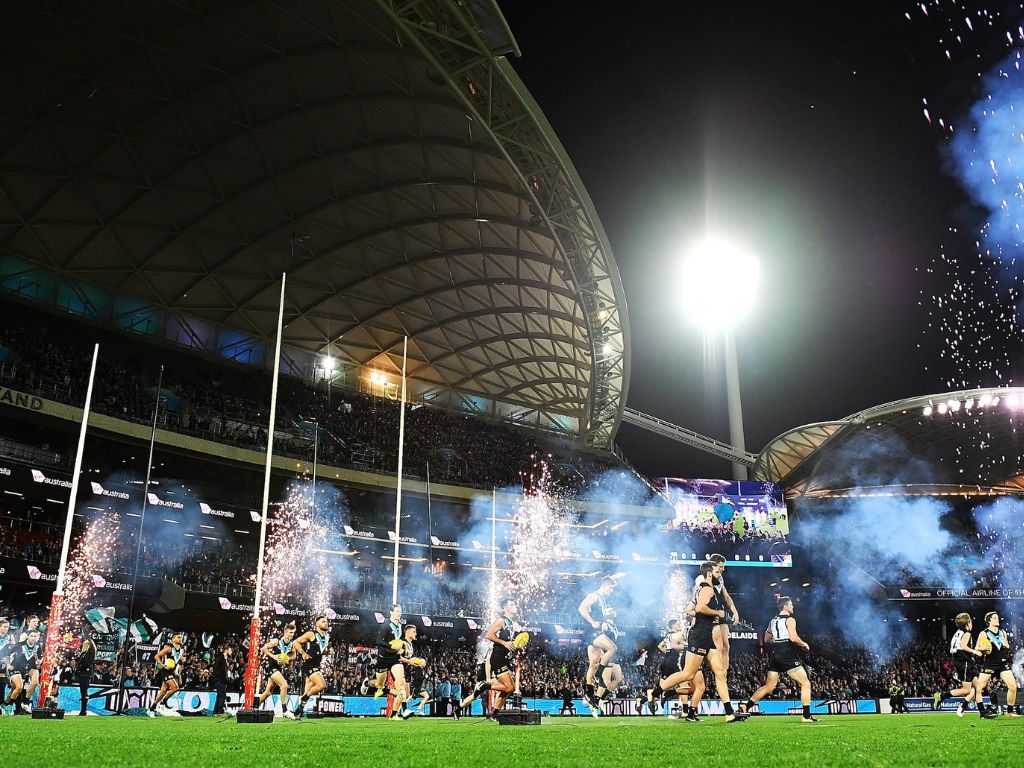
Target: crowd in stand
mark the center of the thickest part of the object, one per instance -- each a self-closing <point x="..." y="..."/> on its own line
<point x="356" y="430"/>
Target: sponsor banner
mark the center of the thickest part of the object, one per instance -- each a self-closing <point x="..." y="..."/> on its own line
<point x="792" y="707"/>
<point x="438" y="542"/>
<point x="156" y="501"/>
<point x="38" y="476"/>
<point x="352" y="532"/>
<point x="34" y="572"/>
<point x="103" y="701"/>
<point x="928" y="705"/>
<point x="942" y="593"/>
<point x="20" y="399"/>
<point x="99" y="490"/>
<point x="206" y="509"/>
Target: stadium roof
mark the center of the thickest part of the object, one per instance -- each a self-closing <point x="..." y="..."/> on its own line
<point x="163" y="163"/>
<point x="958" y="443"/>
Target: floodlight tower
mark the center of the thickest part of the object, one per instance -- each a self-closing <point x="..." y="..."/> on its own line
<point x="715" y="270"/>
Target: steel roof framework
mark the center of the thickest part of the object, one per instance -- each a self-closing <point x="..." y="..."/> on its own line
<point x="161" y="163"/>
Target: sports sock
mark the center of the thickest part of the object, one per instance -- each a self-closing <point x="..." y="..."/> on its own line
<point x="807" y="710"/>
<point x="302" y="704"/>
<point x="945" y="695"/>
<point x="686" y="708"/>
<point x="750" y="704"/>
<point x="728" y="708"/>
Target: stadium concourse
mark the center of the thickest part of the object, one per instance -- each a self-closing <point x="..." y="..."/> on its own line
<point x="313" y="355"/>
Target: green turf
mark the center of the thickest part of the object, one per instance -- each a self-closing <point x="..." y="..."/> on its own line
<point x="771" y="742"/>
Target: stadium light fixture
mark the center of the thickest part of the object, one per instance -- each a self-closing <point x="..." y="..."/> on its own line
<point x="1013" y="401"/>
<point x="927" y="410"/>
<point x="328" y="363"/>
<point x="720" y="280"/>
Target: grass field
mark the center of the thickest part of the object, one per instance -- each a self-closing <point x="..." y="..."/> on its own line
<point x="772" y="742"/>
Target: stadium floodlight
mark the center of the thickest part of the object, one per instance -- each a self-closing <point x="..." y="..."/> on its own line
<point x="943" y="408"/>
<point x="720" y="280"/>
<point x="328" y="363"/>
<point x="927" y="410"/>
<point x="1013" y="401"/>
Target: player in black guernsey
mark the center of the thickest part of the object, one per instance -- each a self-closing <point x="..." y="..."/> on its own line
<point x="965" y="665"/>
<point x="408" y="669"/>
<point x="24" y="675"/>
<point x="31" y="623"/>
<point x="784" y="660"/>
<point x="389" y="647"/>
<point x="311" y="647"/>
<point x="994" y="644"/>
<point x="168" y="662"/>
<point x="720" y="634"/>
<point x="7" y="643"/>
<point x="502" y="661"/>
<point x="598" y="613"/>
<point x="278" y="653"/>
<point x="707" y="609"/>
<point x="670" y="673"/>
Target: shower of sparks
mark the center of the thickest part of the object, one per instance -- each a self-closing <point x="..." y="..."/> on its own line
<point x="677" y="595"/>
<point x="296" y="569"/>
<point x="539" y="540"/>
<point x="92" y="556"/>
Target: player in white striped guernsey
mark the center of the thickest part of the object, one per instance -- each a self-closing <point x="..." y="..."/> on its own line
<point x="965" y="661"/>
<point x="784" y="660"/>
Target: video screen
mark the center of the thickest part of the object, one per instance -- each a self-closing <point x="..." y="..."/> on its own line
<point x="746" y="522"/>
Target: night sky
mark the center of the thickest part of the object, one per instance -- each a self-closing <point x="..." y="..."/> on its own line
<point x="796" y="128"/>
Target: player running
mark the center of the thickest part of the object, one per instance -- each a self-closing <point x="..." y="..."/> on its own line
<point x="312" y="646"/>
<point x="994" y="643"/>
<point x="389" y="646"/>
<point x="965" y="660"/>
<point x="404" y="674"/>
<point x="706" y="608"/>
<point x="25" y="663"/>
<point x="720" y="634"/>
<point x="784" y="660"/>
<point x="597" y="612"/>
<point x="7" y="643"/>
<point x="278" y="652"/>
<point x="501" y="635"/>
<point x="670" y="673"/>
<point x="168" y="661"/>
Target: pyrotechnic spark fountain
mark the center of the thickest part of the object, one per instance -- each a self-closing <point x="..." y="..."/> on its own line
<point x="538" y="540"/>
<point x="294" y="561"/>
<point x="92" y="556"/>
<point x="677" y="594"/>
